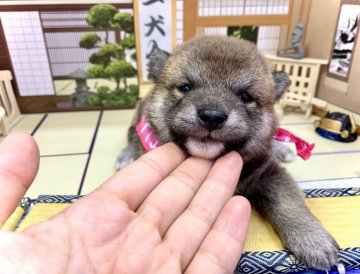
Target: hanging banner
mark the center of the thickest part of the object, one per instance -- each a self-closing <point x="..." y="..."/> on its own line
<point x="153" y="19"/>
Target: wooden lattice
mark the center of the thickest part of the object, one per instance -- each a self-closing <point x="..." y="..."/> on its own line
<point x="303" y="74"/>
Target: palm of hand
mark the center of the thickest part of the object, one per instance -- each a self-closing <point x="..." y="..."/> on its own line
<point x="112" y="239"/>
<point x="161" y="220"/>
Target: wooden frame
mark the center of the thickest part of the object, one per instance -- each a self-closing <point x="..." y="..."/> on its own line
<point x="137" y="44"/>
<point x="303" y="17"/>
<point x="194" y="21"/>
<point x="190" y="22"/>
<point x="344" y="41"/>
<point x="49" y="103"/>
<point x="245" y="20"/>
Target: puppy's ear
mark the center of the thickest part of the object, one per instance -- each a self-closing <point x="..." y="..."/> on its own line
<point x="282" y="82"/>
<point x="156" y="64"/>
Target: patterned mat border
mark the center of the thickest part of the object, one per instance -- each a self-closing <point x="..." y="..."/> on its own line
<point x="309" y="193"/>
<point x="57" y="199"/>
<point x="334" y="192"/>
<point x="274" y="262"/>
<point x="279" y="262"/>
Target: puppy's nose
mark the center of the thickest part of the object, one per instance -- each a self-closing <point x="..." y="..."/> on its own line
<point x="212" y="119"/>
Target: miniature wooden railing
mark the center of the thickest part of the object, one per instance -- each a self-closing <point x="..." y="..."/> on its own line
<point x="303" y="74"/>
<point x="9" y="110"/>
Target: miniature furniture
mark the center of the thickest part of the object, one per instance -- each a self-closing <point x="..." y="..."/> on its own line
<point x="9" y="110"/>
<point x="303" y="74"/>
<point x="3" y="125"/>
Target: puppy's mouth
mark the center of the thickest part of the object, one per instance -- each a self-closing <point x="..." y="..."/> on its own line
<point x="207" y="148"/>
<point x="207" y="145"/>
<point x="207" y="137"/>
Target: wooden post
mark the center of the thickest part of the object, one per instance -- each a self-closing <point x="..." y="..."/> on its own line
<point x="190" y="11"/>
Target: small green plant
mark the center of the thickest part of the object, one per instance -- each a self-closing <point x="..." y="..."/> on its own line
<point x="89" y="40"/>
<point x="120" y="70"/>
<point x="108" y="61"/>
<point x="244" y="32"/>
<point x="105" y="97"/>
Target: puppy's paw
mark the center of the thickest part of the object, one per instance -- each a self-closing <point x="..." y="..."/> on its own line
<point x="283" y="152"/>
<point x="126" y="157"/>
<point x="316" y="249"/>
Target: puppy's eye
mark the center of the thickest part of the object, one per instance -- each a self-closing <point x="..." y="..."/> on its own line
<point x="185" y="88"/>
<point x="246" y="97"/>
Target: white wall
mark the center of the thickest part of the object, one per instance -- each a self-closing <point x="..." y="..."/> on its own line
<point x="27" y="49"/>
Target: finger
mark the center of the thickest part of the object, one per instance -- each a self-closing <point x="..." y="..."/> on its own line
<point x="189" y="230"/>
<point x="169" y="199"/>
<point x="19" y="163"/>
<point x="134" y="183"/>
<point x="222" y="248"/>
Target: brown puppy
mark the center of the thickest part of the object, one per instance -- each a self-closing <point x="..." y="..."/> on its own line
<point x="217" y="94"/>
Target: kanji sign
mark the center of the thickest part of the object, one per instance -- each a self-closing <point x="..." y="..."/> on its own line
<point x="154" y="30"/>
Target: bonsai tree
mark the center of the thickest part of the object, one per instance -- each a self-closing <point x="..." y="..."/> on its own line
<point x="109" y="61"/>
<point x="102" y="16"/>
<point x="120" y="70"/>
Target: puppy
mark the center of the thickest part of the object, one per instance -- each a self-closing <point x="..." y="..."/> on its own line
<point x="217" y="94"/>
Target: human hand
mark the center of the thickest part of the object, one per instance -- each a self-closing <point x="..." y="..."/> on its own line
<point x="161" y="214"/>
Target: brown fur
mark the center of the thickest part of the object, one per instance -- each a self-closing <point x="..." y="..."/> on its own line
<point x="222" y="73"/>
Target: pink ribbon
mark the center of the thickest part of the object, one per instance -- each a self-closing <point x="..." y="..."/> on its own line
<point x="303" y="148"/>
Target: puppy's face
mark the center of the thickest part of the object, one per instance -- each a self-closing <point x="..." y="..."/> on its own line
<point x="213" y="95"/>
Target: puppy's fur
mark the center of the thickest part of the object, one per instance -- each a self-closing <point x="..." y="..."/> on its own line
<point x="217" y="94"/>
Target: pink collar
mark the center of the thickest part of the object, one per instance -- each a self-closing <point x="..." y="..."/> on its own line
<point x="150" y="141"/>
<point x="148" y="138"/>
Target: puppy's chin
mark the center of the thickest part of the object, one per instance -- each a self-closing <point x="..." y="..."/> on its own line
<point x="209" y="149"/>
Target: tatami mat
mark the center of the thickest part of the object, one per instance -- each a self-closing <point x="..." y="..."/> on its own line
<point x="110" y="140"/>
<point x="330" y="160"/>
<point x="58" y="175"/>
<point x="325" y="167"/>
<point x="78" y="151"/>
<point x="67" y="133"/>
<point x="27" y="123"/>
<point x="328" y="210"/>
<point x="296" y="118"/>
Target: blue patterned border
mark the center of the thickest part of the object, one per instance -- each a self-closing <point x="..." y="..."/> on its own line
<point x="309" y="193"/>
<point x="280" y="262"/>
<point x="335" y="192"/>
<point x="57" y="199"/>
